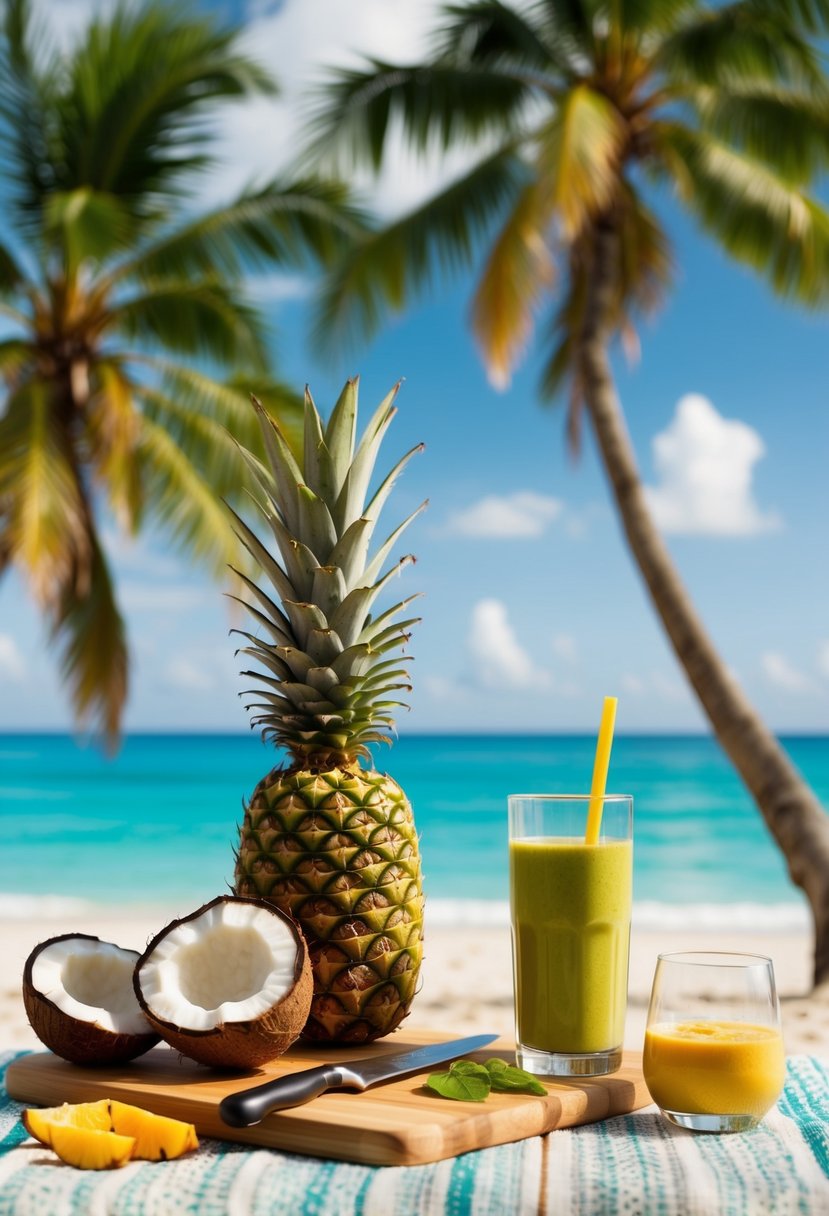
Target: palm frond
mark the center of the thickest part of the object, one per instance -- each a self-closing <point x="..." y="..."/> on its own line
<point x="15" y="357"/>
<point x="43" y="512"/>
<point x="112" y="426"/>
<point x="94" y="663"/>
<point x="742" y="43"/>
<point x="193" y="318"/>
<point x="180" y="499"/>
<point x="652" y="16"/>
<point x="579" y="157"/>
<point x="488" y="33"/>
<point x="518" y="270"/>
<point x="574" y="20"/>
<point x="286" y="223"/>
<point x="809" y="15"/>
<point x="27" y="81"/>
<point x="760" y="219"/>
<point x="85" y="225"/>
<point x="140" y="87"/>
<point x="787" y="130"/>
<point x="11" y="275"/>
<point x="227" y="402"/>
<point x="433" y="103"/>
<point x="386" y="268"/>
<point x="644" y="270"/>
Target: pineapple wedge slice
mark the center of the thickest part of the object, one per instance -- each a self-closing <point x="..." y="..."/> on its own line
<point x="157" y="1138"/>
<point x="86" y="1116"/>
<point x="151" y="1137"/>
<point x="88" y="1149"/>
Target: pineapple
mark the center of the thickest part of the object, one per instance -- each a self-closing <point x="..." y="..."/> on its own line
<point x="324" y="838"/>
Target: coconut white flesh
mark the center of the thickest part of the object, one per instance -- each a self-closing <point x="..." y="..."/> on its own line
<point x="231" y="964"/>
<point x="91" y="981"/>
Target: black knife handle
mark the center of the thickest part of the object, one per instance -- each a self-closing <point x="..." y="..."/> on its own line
<point x="250" y="1106"/>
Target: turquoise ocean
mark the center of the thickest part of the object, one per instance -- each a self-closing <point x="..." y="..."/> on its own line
<point x="157" y="823"/>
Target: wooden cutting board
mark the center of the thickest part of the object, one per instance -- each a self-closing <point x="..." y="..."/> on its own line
<point x="397" y="1123"/>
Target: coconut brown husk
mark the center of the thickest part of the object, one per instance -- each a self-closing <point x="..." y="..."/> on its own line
<point x="239" y="1045"/>
<point x="67" y="1036"/>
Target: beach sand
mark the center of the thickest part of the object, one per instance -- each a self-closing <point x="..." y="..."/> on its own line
<point x="467" y="979"/>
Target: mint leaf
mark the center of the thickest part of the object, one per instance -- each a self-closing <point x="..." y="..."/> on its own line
<point x="465" y="1081"/>
<point x="505" y="1078"/>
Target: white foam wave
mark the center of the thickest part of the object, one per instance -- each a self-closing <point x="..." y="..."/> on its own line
<point x="493" y="913"/>
<point x="43" y="907"/>
<point x="647" y="914"/>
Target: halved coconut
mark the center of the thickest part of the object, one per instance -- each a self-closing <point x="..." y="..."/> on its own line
<point x="80" y="1001"/>
<point x="230" y="985"/>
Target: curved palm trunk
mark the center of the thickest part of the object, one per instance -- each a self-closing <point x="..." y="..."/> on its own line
<point x="792" y="813"/>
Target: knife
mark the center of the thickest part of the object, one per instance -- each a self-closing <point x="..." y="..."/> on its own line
<point x="249" y="1106"/>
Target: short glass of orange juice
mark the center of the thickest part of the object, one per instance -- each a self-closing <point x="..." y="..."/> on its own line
<point x="714" y="1057"/>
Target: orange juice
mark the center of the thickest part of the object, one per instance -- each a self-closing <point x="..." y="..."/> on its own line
<point x="714" y="1068"/>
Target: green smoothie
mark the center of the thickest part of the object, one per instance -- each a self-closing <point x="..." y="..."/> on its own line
<point x="571" y="929"/>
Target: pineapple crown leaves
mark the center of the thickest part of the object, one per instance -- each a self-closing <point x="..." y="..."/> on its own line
<point x="328" y="686"/>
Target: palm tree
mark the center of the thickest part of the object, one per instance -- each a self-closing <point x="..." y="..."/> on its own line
<point x="575" y="111"/>
<point x="125" y="323"/>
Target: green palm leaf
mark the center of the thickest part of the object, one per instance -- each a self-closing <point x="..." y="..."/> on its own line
<point x="85" y="225"/>
<point x="43" y="511"/>
<point x="200" y="318"/>
<point x="435" y="102"/>
<point x="740" y="43"/>
<point x="113" y="425"/>
<point x="388" y="267"/>
<point x="285" y="223"/>
<point x="579" y="155"/>
<point x="180" y="499"/>
<point x="786" y="130"/>
<point x="134" y="132"/>
<point x="517" y="273"/>
<point x="754" y="213"/>
<point x="487" y="33"/>
<point x="10" y="273"/>
<point x="94" y="661"/>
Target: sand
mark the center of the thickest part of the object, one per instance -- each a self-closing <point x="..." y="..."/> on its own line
<point x="467" y="980"/>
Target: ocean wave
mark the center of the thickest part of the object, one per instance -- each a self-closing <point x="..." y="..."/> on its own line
<point x="477" y="913"/>
<point x="647" y="914"/>
<point x="43" y="907"/>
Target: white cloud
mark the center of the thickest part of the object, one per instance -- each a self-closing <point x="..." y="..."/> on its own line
<point x="302" y="40"/>
<point x="521" y="514"/>
<point x="499" y="660"/>
<point x="783" y="674"/>
<point x="633" y="684"/>
<point x="65" y="20"/>
<point x="12" y="667"/>
<point x="565" y="647"/>
<point x="705" y="465"/>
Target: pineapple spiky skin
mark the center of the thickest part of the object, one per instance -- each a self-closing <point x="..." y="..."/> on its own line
<point x="325" y="839"/>
<point x="338" y="851"/>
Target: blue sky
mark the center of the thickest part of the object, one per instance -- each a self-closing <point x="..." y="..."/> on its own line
<point x="532" y="607"/>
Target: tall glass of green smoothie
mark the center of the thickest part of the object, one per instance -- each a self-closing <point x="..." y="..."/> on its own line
<point x="570" y="907"/>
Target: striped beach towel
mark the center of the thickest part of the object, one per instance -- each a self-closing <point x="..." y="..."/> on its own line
<point x="633" y="1165"/>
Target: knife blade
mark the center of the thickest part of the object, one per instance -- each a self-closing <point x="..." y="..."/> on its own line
<point x="249" y="1106"/>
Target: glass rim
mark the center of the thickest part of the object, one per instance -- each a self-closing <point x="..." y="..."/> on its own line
<point x="571" y="797"/>
<point x="739" y="959"/>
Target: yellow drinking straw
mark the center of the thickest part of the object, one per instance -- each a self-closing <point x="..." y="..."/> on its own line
<point x="600" y="767"/>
